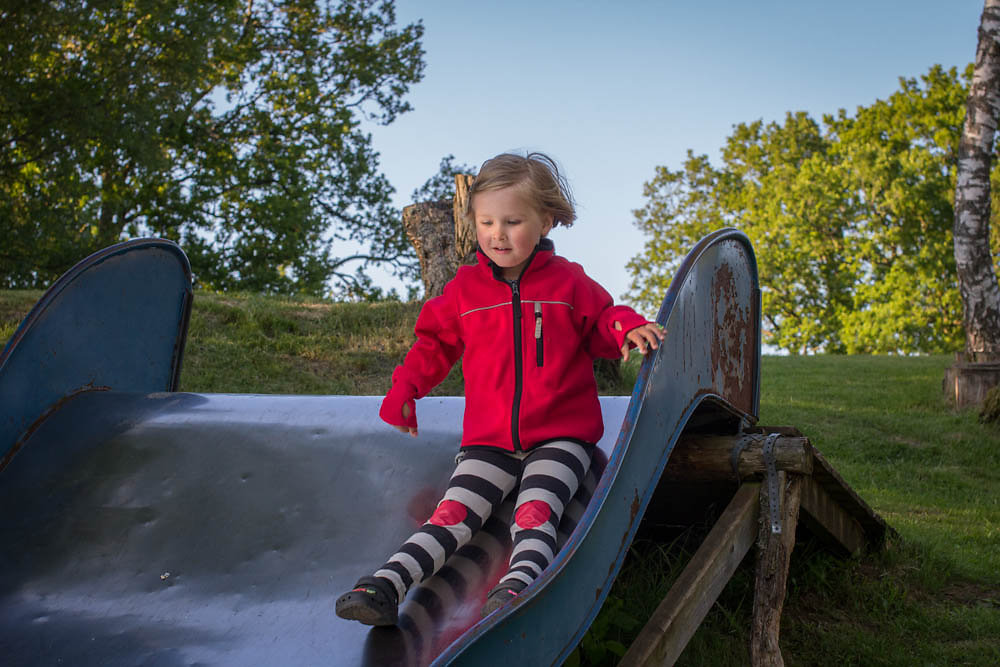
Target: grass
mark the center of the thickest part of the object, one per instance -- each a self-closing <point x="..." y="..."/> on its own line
<point x="14" y="305"/>
<point x="252" y="344"/>
<point x="246" y="343"/>
<point x="932" y="473"/>
<point x="931" y="598"/>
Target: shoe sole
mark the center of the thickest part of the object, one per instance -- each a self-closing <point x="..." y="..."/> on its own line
<point x="359" y="607"/>
<point x="492" y="605"/>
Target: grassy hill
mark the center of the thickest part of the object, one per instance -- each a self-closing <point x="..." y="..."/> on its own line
<point x="932" y="598"/>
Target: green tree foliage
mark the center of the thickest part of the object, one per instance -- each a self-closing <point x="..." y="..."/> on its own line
<point x="232" y="127"/>
<point x="850" y="219"/>
<point x="441" y="186"/>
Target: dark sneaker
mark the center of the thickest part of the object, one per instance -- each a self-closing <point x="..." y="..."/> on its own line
<point x="372" y="601"/>
<point x="498" y="597"/>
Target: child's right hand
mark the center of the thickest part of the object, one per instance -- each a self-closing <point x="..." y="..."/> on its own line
<point x="412" y="430"/>
<point x="646" y="337"/>
<point x="399" y="409"/>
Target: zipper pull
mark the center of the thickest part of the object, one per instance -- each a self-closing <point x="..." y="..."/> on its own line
<point x="538" y="319"/>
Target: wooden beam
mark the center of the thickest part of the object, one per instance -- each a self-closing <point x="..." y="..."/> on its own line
<point x="681" y="612"/>
<point x="774" y="551"/>
<point x="708" y="458"/>
<point x="843" y="496"/>
<point x="825" y="518"/>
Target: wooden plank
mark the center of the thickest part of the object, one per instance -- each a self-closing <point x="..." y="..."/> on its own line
<point x="774" y="551"/>
<point x="681" y="612"/>
<point x="875" y="528"/>
<point x="827" y="519"/>
<point x="707" y="458"/>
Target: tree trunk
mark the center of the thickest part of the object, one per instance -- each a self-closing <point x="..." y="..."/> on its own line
<point x="976" y="277"/>
<point x="443" y="239"/>
<point x="465" y="231"/>
<point x="107" y="226"/>
<point x="432" y="232"/>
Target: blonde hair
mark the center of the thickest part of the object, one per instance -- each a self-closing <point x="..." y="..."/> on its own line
<point x="545" y="187"/>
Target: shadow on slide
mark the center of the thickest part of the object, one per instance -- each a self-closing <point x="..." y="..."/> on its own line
<point x="146" y="526"/>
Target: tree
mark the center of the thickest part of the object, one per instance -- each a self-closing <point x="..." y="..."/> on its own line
<point x="232" y="127"/>
<point x="977" y="278"/>
<point x="850" y="220"/>
<point x="899" y="157"/>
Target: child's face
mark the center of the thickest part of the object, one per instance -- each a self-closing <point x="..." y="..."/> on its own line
<point x="508" y="227"/>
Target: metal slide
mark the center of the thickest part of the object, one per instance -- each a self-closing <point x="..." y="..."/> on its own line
<point x="145" y="526"/>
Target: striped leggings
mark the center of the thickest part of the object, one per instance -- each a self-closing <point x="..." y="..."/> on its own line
<point x="549" y="476"/>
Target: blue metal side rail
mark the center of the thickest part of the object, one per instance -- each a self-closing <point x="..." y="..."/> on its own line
<point x="117" y="320"/>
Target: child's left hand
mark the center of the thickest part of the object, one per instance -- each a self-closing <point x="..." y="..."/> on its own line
<point x="646" y="337"/>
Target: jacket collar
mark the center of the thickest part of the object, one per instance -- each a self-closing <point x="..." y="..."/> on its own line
<point x="539" y="257"/>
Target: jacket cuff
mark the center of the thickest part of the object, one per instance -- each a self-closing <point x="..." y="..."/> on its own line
<point x="402" y="393"/>
<point x="629" y="320"/>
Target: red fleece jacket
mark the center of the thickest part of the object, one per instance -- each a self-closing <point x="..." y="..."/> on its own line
<point x="528" y="347"/>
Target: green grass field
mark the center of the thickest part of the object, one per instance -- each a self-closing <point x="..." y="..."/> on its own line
<point x="931" y="598"/>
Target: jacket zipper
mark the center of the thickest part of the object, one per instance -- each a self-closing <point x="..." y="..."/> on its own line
<point x="518" y="375"/>
<point x="515" y="300"/>
<point x="539" y="348"/>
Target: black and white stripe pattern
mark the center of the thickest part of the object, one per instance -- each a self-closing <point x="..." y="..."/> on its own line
<point x="482" y="480"/>
<point x="552" y="474"/>
<point x="578" y="505"/>
<point x="468" y="571"/>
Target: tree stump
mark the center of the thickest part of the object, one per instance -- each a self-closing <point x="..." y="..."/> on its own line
<point x="431" y="230"/>
<point x="967" y="381"/>
<point x="465" y="230"/>
<point x="441" y="236"/>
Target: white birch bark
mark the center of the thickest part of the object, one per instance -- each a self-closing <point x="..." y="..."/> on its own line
<point x="976" y="278"/>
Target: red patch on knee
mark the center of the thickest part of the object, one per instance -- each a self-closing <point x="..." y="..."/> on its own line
<point x="532" y="514"/>
<point x="449" y="513"/>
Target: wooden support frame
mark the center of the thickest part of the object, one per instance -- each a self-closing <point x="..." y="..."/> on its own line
<point x="680" y="613"/>
<point x="831" y="509"/>
<point x="774" y="552"/>
<point x="809" y="488"/>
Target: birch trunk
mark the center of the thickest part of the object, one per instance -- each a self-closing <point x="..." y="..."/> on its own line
<point x="976" y="278"/>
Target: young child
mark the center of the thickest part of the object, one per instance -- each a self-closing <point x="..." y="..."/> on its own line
<point x="529" y="324"/>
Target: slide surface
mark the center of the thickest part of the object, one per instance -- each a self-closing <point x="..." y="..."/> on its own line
<point x="146" y="526"/>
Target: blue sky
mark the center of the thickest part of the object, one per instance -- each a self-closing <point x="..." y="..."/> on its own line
<point x="613" y="89"/>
